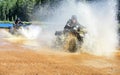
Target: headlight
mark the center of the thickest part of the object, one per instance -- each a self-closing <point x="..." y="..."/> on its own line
<point x="84" y="30"/>
<point x="75" y="28"/>
<point x="82" y="35"/>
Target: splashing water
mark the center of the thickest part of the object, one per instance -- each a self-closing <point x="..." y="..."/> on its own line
<point x="98" y="17"/>
<point x="100" y="22"/>
<point x="31" y="32"/>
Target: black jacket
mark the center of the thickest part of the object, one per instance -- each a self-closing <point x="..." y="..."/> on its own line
<point x="70" y="25"/>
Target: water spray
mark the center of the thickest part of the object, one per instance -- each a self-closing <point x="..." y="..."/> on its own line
<point x="98" y="17"/>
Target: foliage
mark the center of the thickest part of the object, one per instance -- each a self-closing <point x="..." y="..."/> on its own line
<point x="11" y="9"/>
<point x="24" y="9"/>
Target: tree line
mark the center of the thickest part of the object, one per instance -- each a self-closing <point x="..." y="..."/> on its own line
<point x="11" y="9"/>
<point x="24" y="9"/>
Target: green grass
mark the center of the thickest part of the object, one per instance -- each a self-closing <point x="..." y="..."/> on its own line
<point x="6" y="22"/>
<point x="28" y="23"/>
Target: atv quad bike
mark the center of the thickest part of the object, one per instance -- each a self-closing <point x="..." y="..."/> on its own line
<point x="15" y="29"/>
<point x="70" y="40"/>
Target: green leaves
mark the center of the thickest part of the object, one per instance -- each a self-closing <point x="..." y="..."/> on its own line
<point x="5" y="7"/>
<point x="10" y="9"/>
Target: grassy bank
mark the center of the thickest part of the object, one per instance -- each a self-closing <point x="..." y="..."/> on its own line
<point x="28" y="23"/>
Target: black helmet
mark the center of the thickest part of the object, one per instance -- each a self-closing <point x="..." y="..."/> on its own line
<point x="74" y="17"/>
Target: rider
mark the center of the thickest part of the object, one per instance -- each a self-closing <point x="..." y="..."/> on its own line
<point x="18" y="23"/>
<point x="71" y="23"/>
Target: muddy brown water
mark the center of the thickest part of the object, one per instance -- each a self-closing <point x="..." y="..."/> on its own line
<point x="15" y="59"/>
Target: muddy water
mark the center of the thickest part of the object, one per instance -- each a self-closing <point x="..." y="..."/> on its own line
<point x="17" y="59"/>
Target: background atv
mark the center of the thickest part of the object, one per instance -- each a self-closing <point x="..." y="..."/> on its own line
<point x="71" y="39"/>
<point x="15" y="29"/>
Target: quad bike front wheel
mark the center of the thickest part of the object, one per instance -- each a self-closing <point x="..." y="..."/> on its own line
<point x="70" y="44"/>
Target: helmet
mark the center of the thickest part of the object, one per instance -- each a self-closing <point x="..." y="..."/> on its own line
<point x="74" y="17"/>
